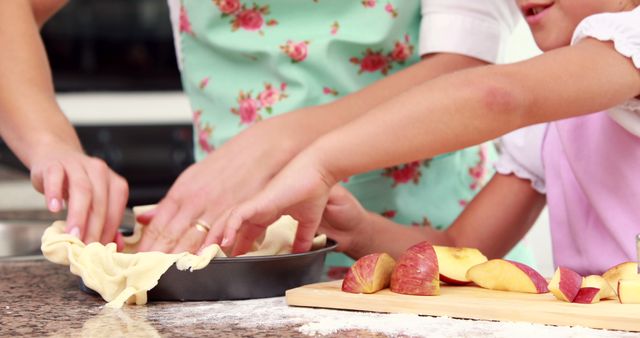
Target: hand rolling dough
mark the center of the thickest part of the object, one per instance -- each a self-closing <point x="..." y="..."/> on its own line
<point x="126" y="277"/>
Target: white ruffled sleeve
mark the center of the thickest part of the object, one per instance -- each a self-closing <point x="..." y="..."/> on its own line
<point x="521" y="155"/>
<point x="476" y="28"/>
<point x="622" y="28"/>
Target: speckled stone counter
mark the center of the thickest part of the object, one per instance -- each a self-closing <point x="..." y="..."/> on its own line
<point x="38" y="298"/>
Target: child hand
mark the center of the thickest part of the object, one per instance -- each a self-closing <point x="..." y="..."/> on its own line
<point x="344" y="219"/>
<point x="96" y="196"/>
<point x="300" y="190"/>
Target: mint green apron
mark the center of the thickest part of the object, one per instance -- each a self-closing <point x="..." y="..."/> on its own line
<point x="246" y="61"/>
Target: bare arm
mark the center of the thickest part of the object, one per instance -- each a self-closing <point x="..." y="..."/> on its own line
<point x="495" y="220"/>
<point x="466" y="108"/>
<point x="26" y="89"/>
<point x="198" y="195"/>
<point x="451" y="112"/>
<point x="40" y="135"/>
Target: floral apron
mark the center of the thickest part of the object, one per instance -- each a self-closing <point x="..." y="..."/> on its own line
<point x="244" y="61"/>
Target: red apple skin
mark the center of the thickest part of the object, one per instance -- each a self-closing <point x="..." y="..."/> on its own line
<point x="453" y="281"/>
<point x="369" y="274"/>
<point x="416" y="272"/>
<point x="587" y="296"/>
<point x="568" y="286"/>
<point x="538" y="281"/>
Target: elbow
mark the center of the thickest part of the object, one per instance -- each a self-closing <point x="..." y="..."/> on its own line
<point x="503" y="97"/>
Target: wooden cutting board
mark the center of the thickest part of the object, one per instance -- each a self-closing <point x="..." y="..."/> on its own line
<point x="474" y="303"/>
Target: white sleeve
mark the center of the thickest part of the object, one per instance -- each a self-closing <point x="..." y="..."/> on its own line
<point x="521" y="155"/>
<point x="623" y="29"/>
<point x="476" y="28"/>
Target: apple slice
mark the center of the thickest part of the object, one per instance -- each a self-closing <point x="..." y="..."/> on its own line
<point x="505" y="275"/>
<point x="565" y="284"/>
<point x="455" y="262"/>
<point x="629" y="291"/>
<point x="596" y="281"/>
<point x="628" y="270"/>
<point x="587" y="295"/>
<point x="416" y="272"/>
<point x="369" y="274"/>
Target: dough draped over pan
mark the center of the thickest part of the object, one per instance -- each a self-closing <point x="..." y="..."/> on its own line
<point x="126" y="276"/>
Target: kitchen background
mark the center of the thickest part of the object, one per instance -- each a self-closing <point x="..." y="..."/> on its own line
<point x="116" y="78"/>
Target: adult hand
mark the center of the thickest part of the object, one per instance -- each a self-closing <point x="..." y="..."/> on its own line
<point x="226" y="177"/>
<point x="300" y="190"/>
<point x="95" y="195"/>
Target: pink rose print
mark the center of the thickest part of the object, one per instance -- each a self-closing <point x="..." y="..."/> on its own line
<point x="389" y="213"/>
<point x="329" y="91"/>
<point x="424" y="223"/>
<point x="389" y="8"/>
<point x="270" y="96"/>
<point x="335" y="27"/>
<point x="296" y="51"/>
<point x="373" y="61"/>
<point x="228" y="7"/>
<point x="202" y="132"/>
<point x="479" y="171"/>
<point x="463" y="203"/>
<point x="203" y="83"/>
<point x="249" y="108"/>
<point x="402" y="50"/>
<point x="246" y="18"/>
<point x="409" y="172"/>
<point x="369" y="3"/>
<point x="184" y="23"/>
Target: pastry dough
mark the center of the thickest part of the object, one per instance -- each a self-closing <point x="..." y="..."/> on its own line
<point x="127" y="276"/>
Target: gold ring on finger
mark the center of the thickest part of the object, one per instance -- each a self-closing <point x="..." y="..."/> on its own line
<point x="202" y="226"/>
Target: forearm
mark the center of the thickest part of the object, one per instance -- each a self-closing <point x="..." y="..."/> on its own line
<point x="494" y="222"/>
<point x="476" y="105"/>
<point x="308" y="124"/>
<point x="30" y="115"/>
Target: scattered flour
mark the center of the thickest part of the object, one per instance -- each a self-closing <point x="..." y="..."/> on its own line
<point x="273" y="313"/>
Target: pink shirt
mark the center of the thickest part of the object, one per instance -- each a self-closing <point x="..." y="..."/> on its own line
<point x="590" y="166"/>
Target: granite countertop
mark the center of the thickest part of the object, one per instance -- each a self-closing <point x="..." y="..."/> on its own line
<point x="38" y="298"/>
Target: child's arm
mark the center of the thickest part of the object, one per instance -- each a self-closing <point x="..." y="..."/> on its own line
<point x="495" y="220"/>
<point x="448" y="113"/>
<point x="33" y="126"/>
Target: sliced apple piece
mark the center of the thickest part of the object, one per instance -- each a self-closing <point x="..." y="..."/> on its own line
<point x="629" y="291"/>
<point x="416" y="272"/>
<point x="369" y="274"/>
<point x="596" y="281"/>
<point x="587" y="295"/>
<point x="565" y="284"/>
<point x="455" y="262"/>
<point x="627" y="270"/>
<point x="505" y="275"/>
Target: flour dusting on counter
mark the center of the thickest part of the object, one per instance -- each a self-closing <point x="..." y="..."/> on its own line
<point x="274" y="313"/>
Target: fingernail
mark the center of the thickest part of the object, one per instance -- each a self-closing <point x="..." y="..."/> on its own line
<point x="225" y="242"/>
<point x="54" y="205"/>
<point x="75" y="231"/>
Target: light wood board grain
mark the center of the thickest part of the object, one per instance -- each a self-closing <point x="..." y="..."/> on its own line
<point x="474" y="303"/>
